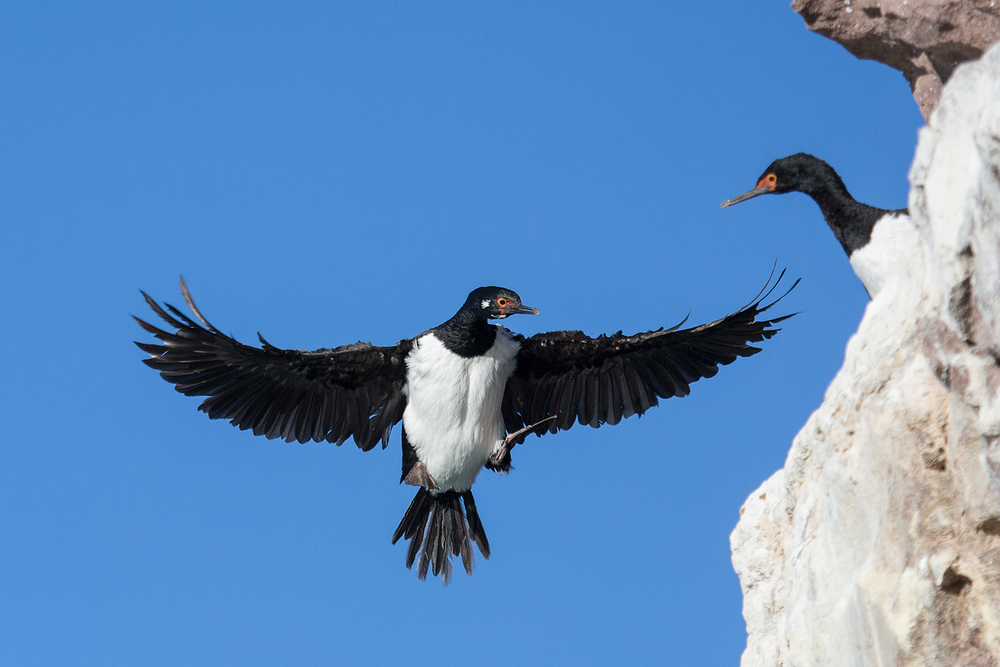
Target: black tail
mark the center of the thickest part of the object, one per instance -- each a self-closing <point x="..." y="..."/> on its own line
<point x="448" y="533"/>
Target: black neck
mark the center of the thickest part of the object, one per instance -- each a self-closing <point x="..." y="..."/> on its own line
<point x="851" y="221"/>
<point x="466" y="334"/>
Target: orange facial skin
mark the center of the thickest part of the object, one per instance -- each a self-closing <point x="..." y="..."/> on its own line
<point x="770" y="182"/>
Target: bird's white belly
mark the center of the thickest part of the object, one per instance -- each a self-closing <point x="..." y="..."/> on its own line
<point x="879" y="260"/>
<point x="452" y="417"/>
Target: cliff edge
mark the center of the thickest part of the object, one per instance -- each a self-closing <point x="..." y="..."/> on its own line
<point x="878" y="543"/>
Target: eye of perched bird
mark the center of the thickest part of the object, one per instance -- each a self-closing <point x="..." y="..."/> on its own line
<point x="769" y="181"/>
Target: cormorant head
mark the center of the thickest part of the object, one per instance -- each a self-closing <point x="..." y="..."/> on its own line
<point x="496" y="303"/>
<point x="800" y="172"/>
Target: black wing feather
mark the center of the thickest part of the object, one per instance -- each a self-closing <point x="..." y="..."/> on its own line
<point x="603" y="380"/>
<point x="330" y="394"/>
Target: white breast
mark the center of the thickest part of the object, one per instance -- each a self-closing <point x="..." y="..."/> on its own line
<point x="452" y="415"/>
<point x="880" y="259"/>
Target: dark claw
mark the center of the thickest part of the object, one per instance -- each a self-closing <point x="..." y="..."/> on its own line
<point x="500" y="461"/>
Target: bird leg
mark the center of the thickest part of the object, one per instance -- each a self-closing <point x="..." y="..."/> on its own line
<point x="419" y="476"/>
<point x="500" y="461"/>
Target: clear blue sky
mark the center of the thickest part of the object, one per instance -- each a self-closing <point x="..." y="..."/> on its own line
<point x="327" y="172"/>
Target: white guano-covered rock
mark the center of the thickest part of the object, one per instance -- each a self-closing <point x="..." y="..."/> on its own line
<point x="879" y="541"/>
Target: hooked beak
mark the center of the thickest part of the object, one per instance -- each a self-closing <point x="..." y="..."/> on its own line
<point x="519" y="310"/>
<point x="761" y="190"/>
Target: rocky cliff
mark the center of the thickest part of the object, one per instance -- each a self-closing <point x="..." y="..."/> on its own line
<point x="879" y="541"/>
<point x="924" y="39"/>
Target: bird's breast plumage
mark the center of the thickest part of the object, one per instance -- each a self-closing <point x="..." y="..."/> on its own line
<point x="893" y="240"/>
<point x="452" y="418"/>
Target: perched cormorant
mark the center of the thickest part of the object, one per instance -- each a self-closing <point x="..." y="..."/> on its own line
<point x="875" y="239"/>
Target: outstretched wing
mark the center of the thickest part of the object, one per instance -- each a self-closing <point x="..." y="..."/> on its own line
<point x="353" y="390"/>
<point x="600" y="380"/>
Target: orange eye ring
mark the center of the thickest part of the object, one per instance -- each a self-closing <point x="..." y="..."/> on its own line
<point x="502" y="302"/>
<point x="769" y="181"/>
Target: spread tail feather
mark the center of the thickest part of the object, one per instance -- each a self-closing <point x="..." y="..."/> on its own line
<point x="437" y="529"/>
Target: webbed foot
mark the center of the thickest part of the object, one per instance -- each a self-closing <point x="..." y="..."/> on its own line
<point x="418" y="476"/>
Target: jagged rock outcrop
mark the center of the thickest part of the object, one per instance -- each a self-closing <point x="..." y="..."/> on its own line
<point x="924" y="39"/>
<point x="879" y="542"/>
